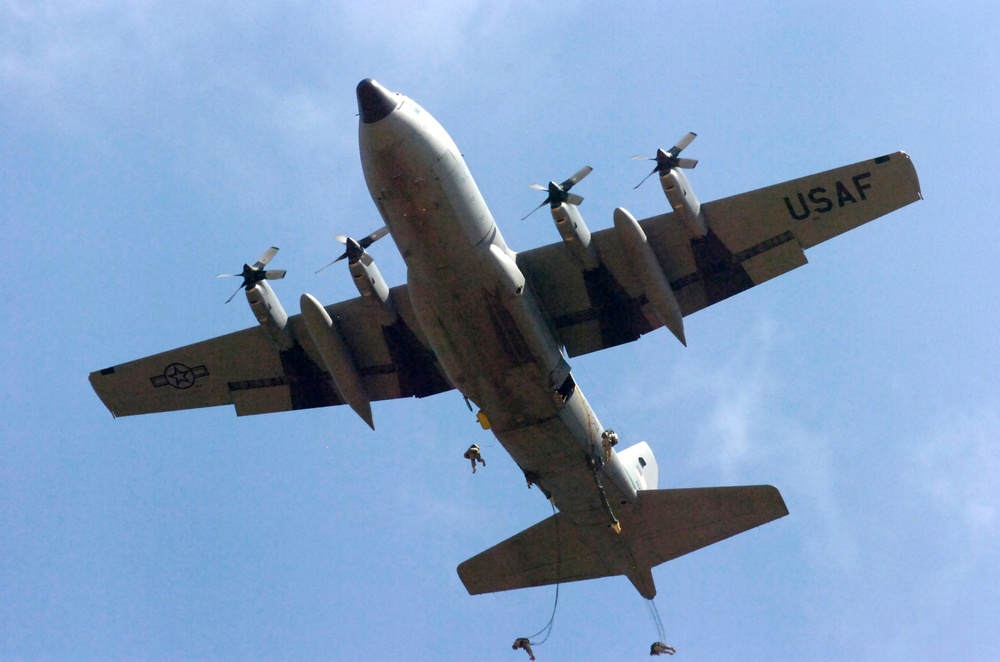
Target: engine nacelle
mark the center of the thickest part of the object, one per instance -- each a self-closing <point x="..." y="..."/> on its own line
<point x="268" y="311"/>
<point x="575" y="234"/>
<point x="683" y="201"/>
<point x="369" y="281"/>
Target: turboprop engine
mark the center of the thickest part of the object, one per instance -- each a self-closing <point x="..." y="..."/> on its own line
<point x="676" y="187"/>
<point x="367" y="277"/>
<point x="683" y="201"/>
<point x="270" y="314"/>
<point x="568" y="220"/>
<point x="263" y="301"/>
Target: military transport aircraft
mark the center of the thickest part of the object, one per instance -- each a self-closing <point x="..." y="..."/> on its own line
<point x="499" y="326"/>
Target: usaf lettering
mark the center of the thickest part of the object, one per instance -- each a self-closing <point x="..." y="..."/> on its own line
<point x="817" y="201"/>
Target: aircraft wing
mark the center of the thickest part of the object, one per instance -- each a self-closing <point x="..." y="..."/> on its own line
<point x="246" y="370"/>
<point x="752" y="238"/>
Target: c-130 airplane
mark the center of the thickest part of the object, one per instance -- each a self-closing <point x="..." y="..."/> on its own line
<point x="499" y="326"/>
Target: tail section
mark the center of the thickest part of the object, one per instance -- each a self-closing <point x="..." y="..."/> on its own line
<point x="664" y="525"/>
<point x="640" y="464"/>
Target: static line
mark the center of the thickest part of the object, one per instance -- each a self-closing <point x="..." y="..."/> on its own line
<point x="548" y="627"/>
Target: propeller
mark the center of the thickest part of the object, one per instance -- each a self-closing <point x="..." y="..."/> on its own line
<point x="355" y="249"/>
<point x="559" y="193"/>
<point x="253" y="274"/>
<point x="668" y="160"/>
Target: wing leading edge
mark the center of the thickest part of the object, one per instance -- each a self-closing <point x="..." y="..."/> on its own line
<point x="246" y="370"/>
<point x="752" y="237"/>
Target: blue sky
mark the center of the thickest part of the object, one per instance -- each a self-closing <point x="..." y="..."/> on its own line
<point x="146" y="146"/>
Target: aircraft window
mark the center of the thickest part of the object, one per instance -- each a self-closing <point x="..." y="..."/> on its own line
<point x="642" y="462"/>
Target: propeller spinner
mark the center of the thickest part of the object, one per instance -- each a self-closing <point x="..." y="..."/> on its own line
<point x="559" y="193"/>
<point x="669" y="160"/>
<point x="253" y="274"/>
<point x="355" y="249"/>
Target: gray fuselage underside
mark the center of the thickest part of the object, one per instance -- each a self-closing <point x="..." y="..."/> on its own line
<point x="444" y="230"/>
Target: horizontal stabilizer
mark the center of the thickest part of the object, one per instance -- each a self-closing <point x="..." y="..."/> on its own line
<point x="664" y="525"/>
<point x="552" y="551"/>
<point x="676" y="522"/>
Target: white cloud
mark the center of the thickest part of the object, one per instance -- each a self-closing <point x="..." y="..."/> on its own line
<point x="426" y="34"/>
<point x="959" y="466"/>
<point x="738" y="391"/>
<point x="42" y="41"/>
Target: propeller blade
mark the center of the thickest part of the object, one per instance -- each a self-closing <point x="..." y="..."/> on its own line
<point x="682" y="143"/>
<point x="253" y="274"/>
<point x="374" y="236"/>
<point x="331" y="263"/>
<point x="651" y="173"/>
<point x="362" y="244"/>
<point x="559" y="193"/>
<point x="265" y="258"/>
<point x="235" y="293"/>
<point x="577" y="176"/>
<point x="667" y="161"/>
<point x="545" y="202"/>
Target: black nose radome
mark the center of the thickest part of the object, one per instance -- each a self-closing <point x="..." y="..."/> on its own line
<point x="374" y="101"/>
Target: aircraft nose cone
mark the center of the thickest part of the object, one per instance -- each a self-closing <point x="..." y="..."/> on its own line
<point x="374" y="101"/>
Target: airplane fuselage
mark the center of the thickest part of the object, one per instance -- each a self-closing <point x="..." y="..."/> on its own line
<point x="476" y="311"/>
